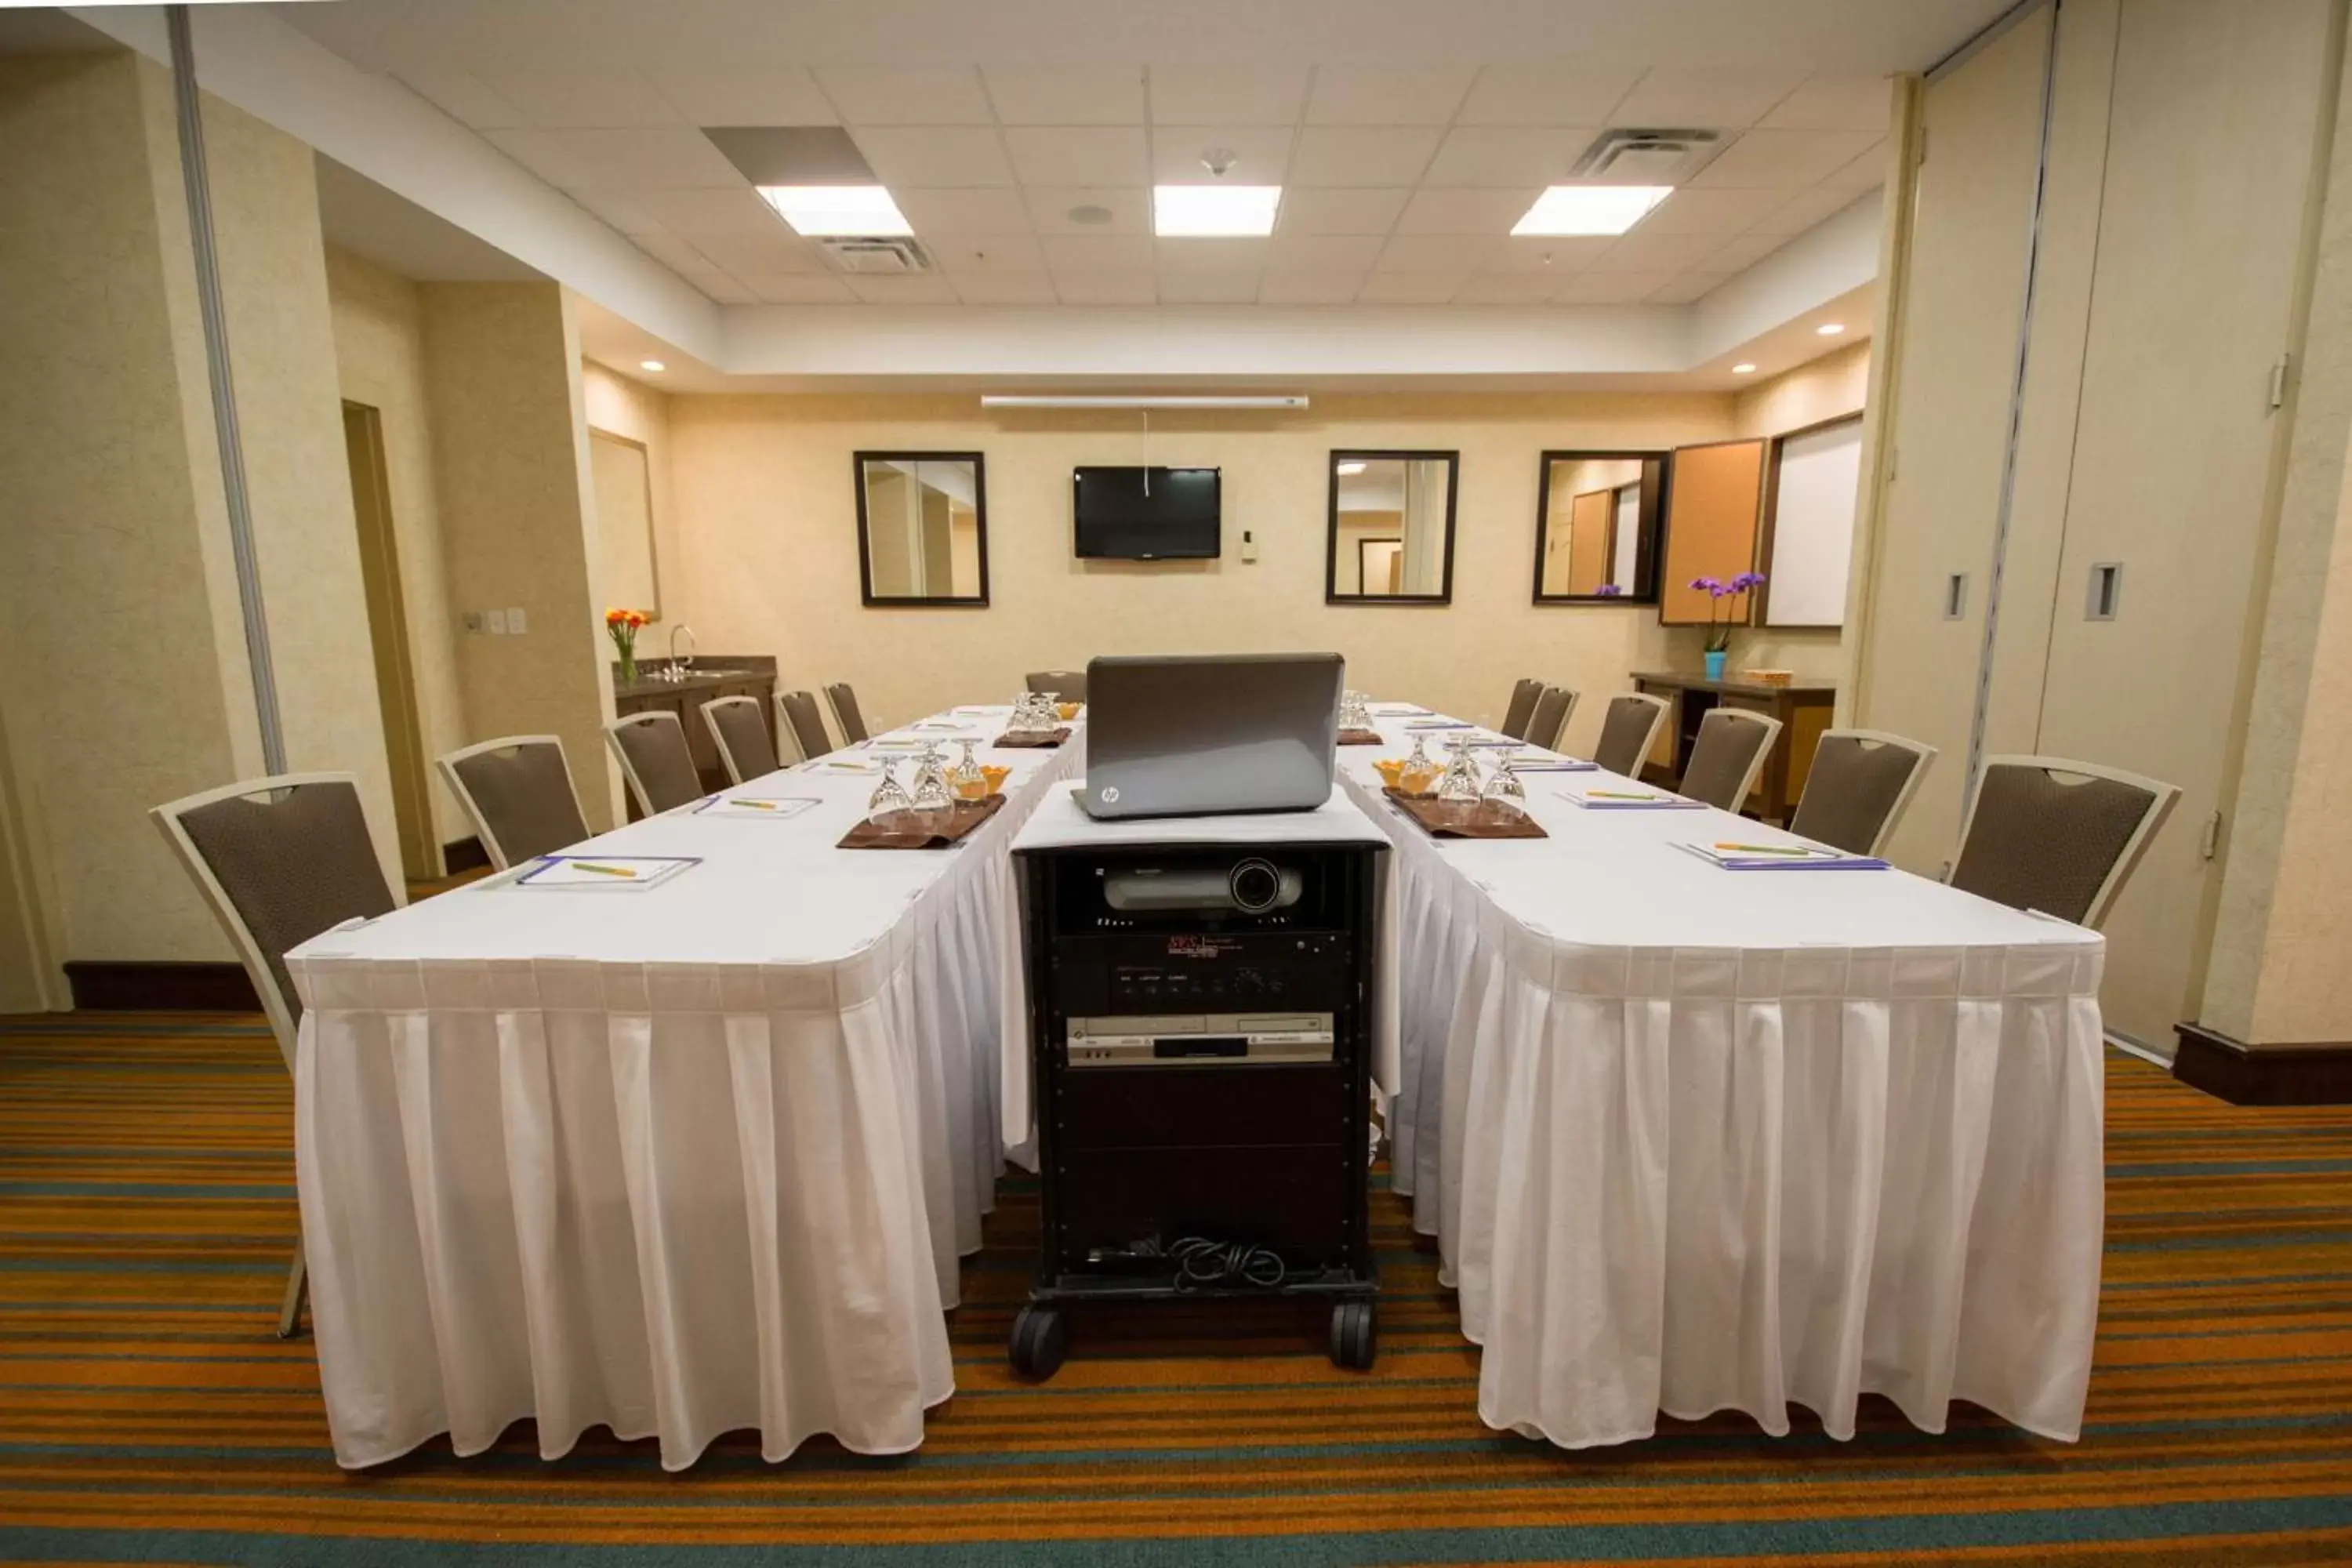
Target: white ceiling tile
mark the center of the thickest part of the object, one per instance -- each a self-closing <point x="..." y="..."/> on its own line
<point x="718" y="283"/>
<point x="998" y="253"/>
<point x="1105" y="288"/>
<point x="1067" y="95"/>
<point x="1545" y="95"/>
<point x="465" y="97"/>
<point x="1642" y="251"/>
<point x="1672" y="96"/>
<point x="568" y="100"/>
<point x="1802" y="210"/>
<point x="1706" y="210"/>
<point x="1205" y="255"/>
<point x="744" y="254"/>
<point x="649" y="157"/>
<point x="1437" y="252"/>
<point x="1507" y="288"/>
<point x="982" y="210"/>
<point x="906" y="95"/>
<point x="1685" y="288"/>
<point x="625" y="210"/>
<point x="1785" y="159"/>
<point x="1350" y="95"/>
<point x="1003" y="288"/>
<point x="785" y="96"/>
<point x="1364" y="154"/>
<point x="1556" y="255"/>
<point x="1466" y="212"/>
<point x="933" y="155"/>
<point x="1208" y="288"/>
<point x="1329" y="287"/>
<point x="1099" y="252"/>
<point x="1227" y="95"/>
<point x="1832" y="101"/>
<point x="1868" y="171"/>
<point x="1261" y="153"/>
<point x="1479" y="155"/>
<point x="695" y="212"/>
<point x="669" y="250"/>
<point x="1412" y="288"/>
<point x="1323" y="252"/>
<point x="801" y="289"/>
<point x="903" y="290"/>
<point x="1050" y="207"/>
<point x="1746" y="251"/>
<point x="1311" y="211"/>
<point x="1080" y="155"/>
<point x="1608" y="288"/>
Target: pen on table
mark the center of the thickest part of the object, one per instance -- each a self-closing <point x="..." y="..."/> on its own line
<point x="603" y="870"/>
<point x="1622" y="794"/>
<point x="1796" y="849"/>
<point x="757" y="804"/>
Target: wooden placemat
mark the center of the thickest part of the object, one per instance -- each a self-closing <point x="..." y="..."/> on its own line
<point x="920" y="830"/>
<point x="1359" y="737"/>
<point x="1046" y="739"/>
<point x="1474" y="819"/>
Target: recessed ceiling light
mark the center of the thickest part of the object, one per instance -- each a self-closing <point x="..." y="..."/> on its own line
<point x="1203" y="210"/>
<point x="653" y="364"/>
<point x="1349" y="470"/>
<point x="1590" y="209"/>
<point x="1830" y="329"/>
<point x="1743" y="368"/>
<point x="857" y="212"/>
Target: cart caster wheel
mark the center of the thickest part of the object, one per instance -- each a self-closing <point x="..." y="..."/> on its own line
<point x="1040" y="1340"/>
<point x="1354" y="1339"/>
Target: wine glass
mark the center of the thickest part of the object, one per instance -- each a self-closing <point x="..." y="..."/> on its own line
<point x="1504" y="789"/>
<point x="965" y="779"/>
<point x="1460" y="784"/>
<point x="931" y="792"/>
<point x="889" y="797"/>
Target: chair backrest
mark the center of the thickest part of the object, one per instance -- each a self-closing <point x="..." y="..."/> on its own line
<point x="279" y="859"/>
<point x="1727" y="755"/>
<point x="2059" y="836"/>
<point x="1628" y="731"/>
<point x="1857" y="788"/>
<point x="1069" y="685"/>
<point x="806" y="724"/>
<point x="846" y="716"/>
<point x="740" y="731"/>
<point x="1522" y="710"/>
<point x="1548" y="718"/>
<point x="654" y="760"/>
<point x="517" y="791"/>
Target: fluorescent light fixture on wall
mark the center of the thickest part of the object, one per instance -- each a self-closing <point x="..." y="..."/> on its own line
<point x="1116" y="400"/>
<point x="853" y="212"/>
<point x="1590" y="209"/>
<point x="1182" y="211"/>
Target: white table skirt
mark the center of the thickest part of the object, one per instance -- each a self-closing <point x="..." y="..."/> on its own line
<point x="549" y="1167"/>
<point x="1848" y="1139"/>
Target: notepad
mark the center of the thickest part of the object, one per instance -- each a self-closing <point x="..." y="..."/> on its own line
<point x="1398" y="711"/>
<point x="1737" y="856"/>
<point x="1441" y="724"/>
<point x="605" y="873"/>
<point x="838" y="765"/>
<point x="1555" y="765"/>
<point x="1601" y="798"/>
<point x="771" y="808"/>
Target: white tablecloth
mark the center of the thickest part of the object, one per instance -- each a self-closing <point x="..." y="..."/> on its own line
<point x="1694" y="1140"/>
<point x="680" y="1160"/>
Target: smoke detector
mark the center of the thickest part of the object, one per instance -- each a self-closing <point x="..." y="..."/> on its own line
<point x="882" y="257"/>
<point x="1218" y="160"/>
<point x="1626" y="156"/>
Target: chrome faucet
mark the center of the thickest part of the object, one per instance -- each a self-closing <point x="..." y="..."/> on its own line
<point x="678" y="668"/>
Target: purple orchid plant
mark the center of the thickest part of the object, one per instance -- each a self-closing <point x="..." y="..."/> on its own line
<point x="1720" y="616"/>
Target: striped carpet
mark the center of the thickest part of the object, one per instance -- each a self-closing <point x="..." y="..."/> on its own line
<point x="146" y="1414"/>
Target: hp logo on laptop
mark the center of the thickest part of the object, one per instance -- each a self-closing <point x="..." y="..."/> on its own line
<point x="1110" y="795"/>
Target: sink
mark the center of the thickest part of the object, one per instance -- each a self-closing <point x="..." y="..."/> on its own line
<point x="699" y="673"/>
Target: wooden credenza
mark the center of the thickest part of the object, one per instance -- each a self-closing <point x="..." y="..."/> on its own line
<point x="1803" y="708"/>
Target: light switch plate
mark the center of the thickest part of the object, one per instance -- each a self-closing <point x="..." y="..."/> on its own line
<point x="516" y="623"/>
<point x="498" y="623"/>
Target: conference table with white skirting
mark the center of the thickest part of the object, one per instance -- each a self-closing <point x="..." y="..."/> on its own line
<point x="1696" y="1140"/>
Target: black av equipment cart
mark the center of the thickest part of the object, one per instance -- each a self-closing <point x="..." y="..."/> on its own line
<point x="1200" y="1035"/>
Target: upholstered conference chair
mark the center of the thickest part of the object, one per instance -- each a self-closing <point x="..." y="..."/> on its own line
<point x="1727" y="754"/>
<point x="1548" y="718"/>
<point x="1859" y="783"/>
<point x="2058" y="837"/>
<point x="803" y="723"/>
<point x="741" y="735"/>
<point x="1628" y="731"/>
<point x="1069" y="685"/>
<point x="656" y="761"/>
<point x="279" y="860"/>
<point x="1516" y="717"/>
<point x="517" y="791"/>
<point x="846" y="716"/>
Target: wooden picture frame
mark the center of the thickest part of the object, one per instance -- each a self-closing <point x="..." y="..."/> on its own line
<point x="858" y="461"/>
<point x="1728" y="480"/>
<point x="1656" y="479"/>
<point x="1331" y="593"/>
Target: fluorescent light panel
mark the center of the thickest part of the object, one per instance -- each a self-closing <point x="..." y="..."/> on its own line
<point x="854" y="212"/>
<point x="1200" y="211"/>
<point x="1590" y="209"/>
<point x="1120" y="400"/>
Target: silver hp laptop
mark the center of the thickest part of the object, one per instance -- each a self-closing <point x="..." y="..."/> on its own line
<point x="1194" y="736"/>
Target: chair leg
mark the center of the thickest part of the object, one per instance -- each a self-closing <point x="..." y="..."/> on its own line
<point x="298" y="1285"/>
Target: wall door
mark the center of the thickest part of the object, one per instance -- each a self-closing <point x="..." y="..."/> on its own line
<point x="396" y="681"/>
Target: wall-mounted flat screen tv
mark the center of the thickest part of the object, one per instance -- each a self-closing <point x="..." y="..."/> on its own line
<point x="1146" y="514"/>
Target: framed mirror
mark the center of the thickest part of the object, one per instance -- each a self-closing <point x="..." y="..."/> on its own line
<point x="1597" y="528"/>
<point x="922" y="528"/>
<point x="627" y="574"/>
<point x="1391" y="539"/>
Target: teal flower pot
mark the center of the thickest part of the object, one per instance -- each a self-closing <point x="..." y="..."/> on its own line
<point x="1715" y="659"/>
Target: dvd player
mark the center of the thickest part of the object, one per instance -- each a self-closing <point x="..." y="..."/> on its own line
<point x="1200" y="1039"/>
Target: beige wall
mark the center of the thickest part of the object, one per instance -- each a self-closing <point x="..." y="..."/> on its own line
<point x="636" y="411"/>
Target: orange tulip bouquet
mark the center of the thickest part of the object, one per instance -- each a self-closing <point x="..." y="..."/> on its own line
<point x="622" y="627"/>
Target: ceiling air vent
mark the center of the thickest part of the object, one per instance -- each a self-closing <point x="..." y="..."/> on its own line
<point x="876" y="258"/>
<point x="1628" y="157"/>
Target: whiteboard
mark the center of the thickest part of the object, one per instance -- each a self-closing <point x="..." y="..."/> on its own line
<point x="1813" y="526"/>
